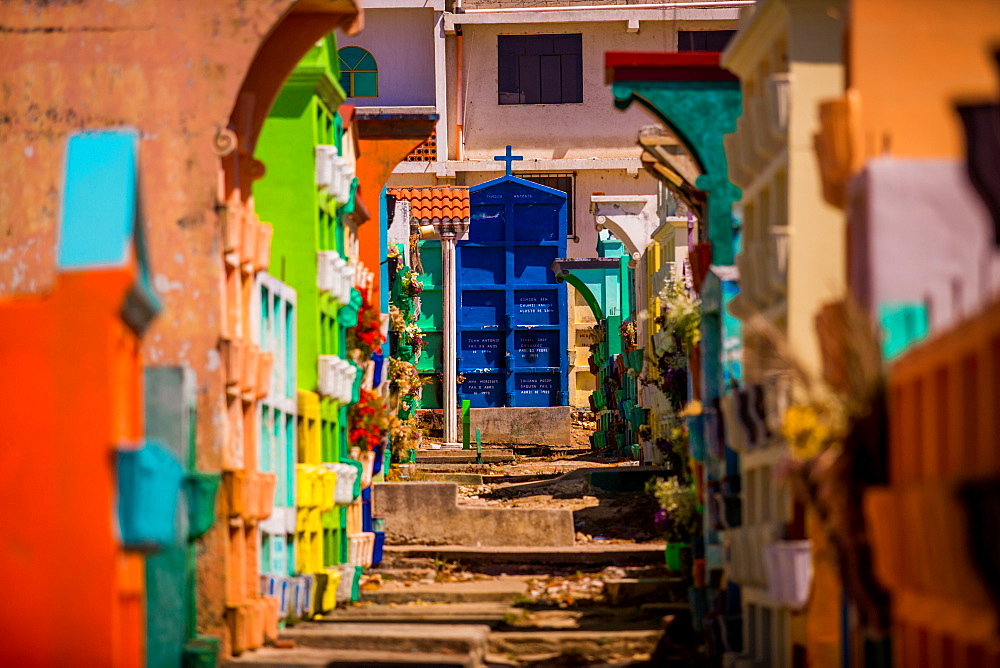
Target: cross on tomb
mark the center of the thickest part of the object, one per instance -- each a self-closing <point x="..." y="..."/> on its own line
<point x="509" y="159"/>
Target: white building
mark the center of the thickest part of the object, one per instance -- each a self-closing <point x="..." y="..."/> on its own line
<point x="527" y="74"/>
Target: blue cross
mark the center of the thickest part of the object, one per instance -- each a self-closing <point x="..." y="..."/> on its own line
<point x="509" y="159"/>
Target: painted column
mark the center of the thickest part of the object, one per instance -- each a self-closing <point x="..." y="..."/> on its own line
<point x="449" y="231"/>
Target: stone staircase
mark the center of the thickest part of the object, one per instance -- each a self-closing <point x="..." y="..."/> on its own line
<point x="476" y="593"/>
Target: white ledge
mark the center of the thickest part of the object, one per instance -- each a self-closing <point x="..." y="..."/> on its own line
<point x="445" y="169"/>
<point x="437" y="5"/>
<point x="567" y="15"/>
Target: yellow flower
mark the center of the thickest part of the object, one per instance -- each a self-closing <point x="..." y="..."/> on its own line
<point x="811" y="428"/>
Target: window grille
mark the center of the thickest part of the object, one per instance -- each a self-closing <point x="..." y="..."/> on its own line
<point x="565" y="182"/>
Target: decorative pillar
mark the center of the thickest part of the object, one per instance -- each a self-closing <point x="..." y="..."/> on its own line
<point x="449" y="230"/>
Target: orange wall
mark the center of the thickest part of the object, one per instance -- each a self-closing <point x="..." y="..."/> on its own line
<point x="910" y="60"/>
<point x="379" y="158"/>
<point x="69" y="590"/>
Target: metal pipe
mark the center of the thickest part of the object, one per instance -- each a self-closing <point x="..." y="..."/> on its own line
<point x="674" y="5"/>
<point x="459" y="102"/>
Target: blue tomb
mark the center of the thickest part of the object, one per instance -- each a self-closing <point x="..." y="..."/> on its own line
<point x="511" y="316"/>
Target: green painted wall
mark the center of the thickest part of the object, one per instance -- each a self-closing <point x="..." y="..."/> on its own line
<point x="431" y="361"/>
<point x="307" y="220"/>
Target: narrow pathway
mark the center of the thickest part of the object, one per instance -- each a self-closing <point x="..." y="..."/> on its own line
<point x="606" y="601"/>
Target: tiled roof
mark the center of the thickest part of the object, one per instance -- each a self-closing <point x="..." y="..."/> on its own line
<point x="428" y="203"/>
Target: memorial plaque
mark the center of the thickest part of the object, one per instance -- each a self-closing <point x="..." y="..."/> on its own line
<point x="537" y="389"/>
<point x="483" y="390"/>
<point x="482" y="349"/>
<point x="585" y="337"/>
<point x="536" y="307"/>
<point x="536" y="348"/>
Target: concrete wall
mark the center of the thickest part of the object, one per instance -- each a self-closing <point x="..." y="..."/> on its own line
<point x="548" y="425"/>
<point x="428" y="513"/>
<point x="402" y="42"/>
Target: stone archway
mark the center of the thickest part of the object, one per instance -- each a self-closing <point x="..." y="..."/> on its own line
<point x="179" y="73"/>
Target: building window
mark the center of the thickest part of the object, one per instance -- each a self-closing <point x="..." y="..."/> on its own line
<point x="703" y="40"/>
<point x="540" y="69"/>
<point x="564" y="183"/>
<point x="358" y="72"/>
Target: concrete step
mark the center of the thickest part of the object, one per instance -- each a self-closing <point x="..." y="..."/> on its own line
<point x="493" y="590"/>
<point x="466" y="640"/>
<point x="309" y="657"/>
<point x="490" y="614"/>
<point x="632" y="591"/>
<point x="547" y="451"/>
<point x="588" y="647"/>
<point x="517" y="479"/>
<point x="483" y="479"/>
<point x="487" y="469"/>
<point x="455" y="477"/>
<point x="463" y="457"/>
<point x="597" y="554"/>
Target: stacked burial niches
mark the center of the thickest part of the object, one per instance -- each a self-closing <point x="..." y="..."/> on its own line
<point x="678" y="88"/>
<point x="274" y="331"/>
<point x="308" y="190"/>
<point x="790" y="263"/>
<point x="248" y="494"/>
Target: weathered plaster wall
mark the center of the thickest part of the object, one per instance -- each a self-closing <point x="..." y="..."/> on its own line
<point x="593" y="128"/>
<point x="173" y="69"/>
<point x="402" y="42"/>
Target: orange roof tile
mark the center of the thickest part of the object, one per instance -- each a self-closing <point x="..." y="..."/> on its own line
<point x="428" y="203"/>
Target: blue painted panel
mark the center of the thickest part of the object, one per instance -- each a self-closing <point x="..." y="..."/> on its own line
<point x="512" y="331"/>
<point x="483" y="266"/>
<point x="489" y="225"/>
<point x="538" y="307"/>
<point x="533" y="265"/>
<point x="482" y="350"/>
<point x="536" y="348"/>
<point x="536" y="222"/>
<point x="100" y="199"/>
<point x="483" y="308"/>
<point x="484" y="390"/>
<point x="537" y="389"/>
